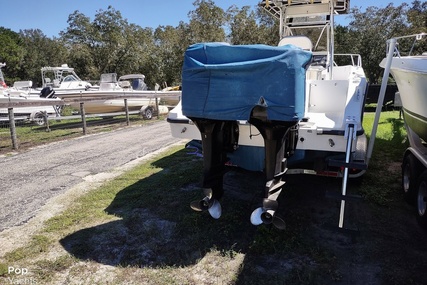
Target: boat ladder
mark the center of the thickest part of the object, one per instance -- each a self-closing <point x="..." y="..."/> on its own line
<point x="350" y="136"/>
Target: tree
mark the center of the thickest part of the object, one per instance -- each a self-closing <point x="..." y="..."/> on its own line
<point x="269" y="27"/>
<point x="80" y="41"/>
<point x="39" y="51"/>
<point x="109" y="44"/>
<point x="371" y="29"/>
<point x="112" y="41"/>
<point x="11" y="53"/>
<point x="206" y="22"/>
<point x="241" y="21"/>
<point x="26" y="52"/>
<point x="244" y="28"/>
<point x="417" y="18"/>
<point x="140" y="46"/>
<point x="171" y="44"/>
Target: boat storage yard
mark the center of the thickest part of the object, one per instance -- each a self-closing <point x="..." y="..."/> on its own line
<point x="294" y="108"/>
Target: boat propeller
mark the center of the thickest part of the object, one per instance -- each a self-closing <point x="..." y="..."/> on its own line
<point x="208" y="203"/>
<point x="267" y="215"/>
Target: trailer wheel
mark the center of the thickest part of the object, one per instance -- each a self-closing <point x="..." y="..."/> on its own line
<point x="147" y="113"/>
<point x="422" y="200"/>
<point x="410" y="172"/>
<point x="38" y="118"/>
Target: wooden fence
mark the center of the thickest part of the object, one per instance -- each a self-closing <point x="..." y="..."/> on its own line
<point x="33" y="103"/>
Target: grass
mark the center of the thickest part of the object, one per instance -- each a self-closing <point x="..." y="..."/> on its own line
<point x="384" y="168"/>
<point x="38" y="244"/>
<point x="140" y="226"/>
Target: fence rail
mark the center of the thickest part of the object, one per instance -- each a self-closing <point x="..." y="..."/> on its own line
<point x="77" y="99"/>
<point x="44" y="119"/>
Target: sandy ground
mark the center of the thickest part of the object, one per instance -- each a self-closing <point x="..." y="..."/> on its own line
<point x="16" y="236"/>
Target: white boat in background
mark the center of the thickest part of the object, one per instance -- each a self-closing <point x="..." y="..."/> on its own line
<point x="35" y="110"/>
<point x="410" y="73"/>
<point x="324" y="136"/>
<point x="22" y="92"/>
<point x="61" y="79"/>
<point x="131" y="86"/>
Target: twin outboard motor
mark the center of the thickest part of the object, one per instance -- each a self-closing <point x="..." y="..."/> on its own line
<point x="263" y="85"/>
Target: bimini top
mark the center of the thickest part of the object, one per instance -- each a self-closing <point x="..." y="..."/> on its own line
<point x="225" y="82"/>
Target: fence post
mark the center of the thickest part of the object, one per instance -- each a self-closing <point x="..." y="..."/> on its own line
<point x="12" y="128"/>
<point x="83" y="114"/>
<point x="46" y="121"/>
<point x="157" y="108"/>
<point x="127" y="112"/>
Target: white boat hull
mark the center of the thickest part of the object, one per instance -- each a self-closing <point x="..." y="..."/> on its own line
<point x="50" y="109"/>
<point x="410" y="74"/>
<point x="99" y="102"/>
<point x="113" y="105"/>
<point x="93" y="94"/>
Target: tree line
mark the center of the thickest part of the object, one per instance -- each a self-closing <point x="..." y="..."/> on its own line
<point x="109" y="43"/>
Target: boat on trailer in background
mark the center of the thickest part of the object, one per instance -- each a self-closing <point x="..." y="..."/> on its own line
<point x="410" y="73"/>
<point x="61" y="79"/>
<point x="294" y="108"/>
<point x="111" y="93"/>
<point x="36" y="106"/>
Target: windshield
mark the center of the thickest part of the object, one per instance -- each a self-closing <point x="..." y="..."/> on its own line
<point x="69" y="78"/>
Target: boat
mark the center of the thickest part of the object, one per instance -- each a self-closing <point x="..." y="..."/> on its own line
<point x="409" y="70"/>
<point x="410" y="74"/>
<point x="109" y="96"/>
<point x="293" y="108"/>
<point x="61" y="79"/>
<point x="35" y="106"/>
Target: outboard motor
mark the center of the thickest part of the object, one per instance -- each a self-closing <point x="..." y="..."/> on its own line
<point x="264" y="85"/>
<point x="47" y="92"/>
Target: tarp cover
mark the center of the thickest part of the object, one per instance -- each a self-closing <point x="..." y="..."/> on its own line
<point x="225" y="82"/>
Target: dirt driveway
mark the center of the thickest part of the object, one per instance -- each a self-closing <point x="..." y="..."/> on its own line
<point x="32" y="177"/>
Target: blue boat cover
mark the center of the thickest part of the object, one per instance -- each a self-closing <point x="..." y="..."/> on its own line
<point x="225" y="82"/>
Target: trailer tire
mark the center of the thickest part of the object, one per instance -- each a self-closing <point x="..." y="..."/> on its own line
<point x="37" y="118"/>
<point x="410" y="172"/>
<point x="422" y="200"/>
<point x="147" y="113"/>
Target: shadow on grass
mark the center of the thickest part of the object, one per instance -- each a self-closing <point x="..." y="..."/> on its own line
<point x="156" y="227"/>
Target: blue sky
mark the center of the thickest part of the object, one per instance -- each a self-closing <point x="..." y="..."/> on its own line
<point x="50" y="16"/>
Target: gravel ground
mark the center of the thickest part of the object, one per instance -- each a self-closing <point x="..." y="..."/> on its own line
<point x="31" y="178"/>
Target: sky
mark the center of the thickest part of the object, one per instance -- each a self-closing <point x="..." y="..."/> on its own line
<point x="50" y="16"/>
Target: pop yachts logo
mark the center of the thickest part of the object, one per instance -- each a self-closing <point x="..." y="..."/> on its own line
<point x="20" y="276"/>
